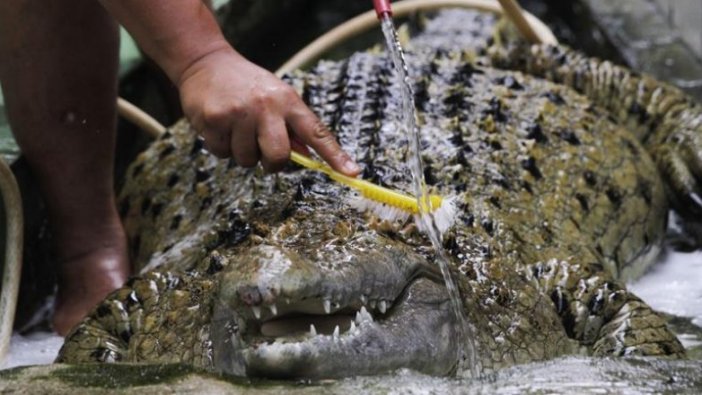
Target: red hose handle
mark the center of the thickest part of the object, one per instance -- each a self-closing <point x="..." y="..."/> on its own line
<point x="382" y="8"/>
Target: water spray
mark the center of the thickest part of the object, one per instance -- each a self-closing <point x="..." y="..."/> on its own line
<point x="467" y="360"/>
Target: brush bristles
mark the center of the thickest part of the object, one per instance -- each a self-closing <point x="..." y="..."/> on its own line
<point x="443" y="217"/>
<point x="381" y="210"/>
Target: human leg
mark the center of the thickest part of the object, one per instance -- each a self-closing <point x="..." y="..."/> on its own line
<point x="58" y="67"/>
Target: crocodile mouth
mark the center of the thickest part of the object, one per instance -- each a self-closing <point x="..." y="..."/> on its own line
<point x="298" y="321"/>
<point x="316" y="338"/>
<point x="294" y="326"/>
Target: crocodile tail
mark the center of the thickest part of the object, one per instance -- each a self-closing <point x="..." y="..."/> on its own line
<point x="666" y="120"/>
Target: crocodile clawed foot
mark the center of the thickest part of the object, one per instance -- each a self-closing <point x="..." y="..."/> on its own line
<point x="637" y="330"/>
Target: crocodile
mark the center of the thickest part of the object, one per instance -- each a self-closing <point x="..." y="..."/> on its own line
<point x="562" y="169"/>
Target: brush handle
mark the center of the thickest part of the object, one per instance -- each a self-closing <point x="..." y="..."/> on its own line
<point x="368" y="189"/>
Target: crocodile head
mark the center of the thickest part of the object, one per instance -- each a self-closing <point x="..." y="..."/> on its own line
<point x="325" y="295"/>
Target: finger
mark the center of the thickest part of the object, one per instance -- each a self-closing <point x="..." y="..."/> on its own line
<point x="215" y="130"/>
<point x="243" y="143"/>
<point x="311" y="131"/>
<point x="299" y="146"/>
<point x="217" y="142"/>
<point x="273" y="142"/>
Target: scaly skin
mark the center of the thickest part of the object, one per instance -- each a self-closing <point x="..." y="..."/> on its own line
<point x="663" y="118"/>
<point x="556" y="204"/>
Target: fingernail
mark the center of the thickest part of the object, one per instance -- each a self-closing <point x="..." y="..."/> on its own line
<point x="351" y="167"/>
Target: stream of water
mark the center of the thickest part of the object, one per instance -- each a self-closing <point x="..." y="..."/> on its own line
<point x="468" y="361"/>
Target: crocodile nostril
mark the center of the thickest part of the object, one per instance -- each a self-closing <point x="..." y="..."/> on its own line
<point x="249" y="295"/>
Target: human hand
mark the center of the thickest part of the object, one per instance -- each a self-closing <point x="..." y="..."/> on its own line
<point x="245" y="112"/>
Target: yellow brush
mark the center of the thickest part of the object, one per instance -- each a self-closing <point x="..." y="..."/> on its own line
<point x="394" y="205"/>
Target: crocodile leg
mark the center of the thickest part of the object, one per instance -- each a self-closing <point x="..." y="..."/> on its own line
<point x="147" y="320"/>
<point x="601" y="314"/>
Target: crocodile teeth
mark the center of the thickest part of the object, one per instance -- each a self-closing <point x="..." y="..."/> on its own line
<point x="373" y="303"/>
<point x="313" y="330"/>
<point x="274" y="309"/>
<point x="364" y="299"/>
<point x="363" y="316"/>
<point x="335" y="335"/>
<point x="352" y="328"/>
<point x="256" y="312"/>
<point x="327" y="306"/>
<point x="382" y="306"/>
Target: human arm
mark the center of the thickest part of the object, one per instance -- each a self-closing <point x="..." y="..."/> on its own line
<point x="239" y="108"/>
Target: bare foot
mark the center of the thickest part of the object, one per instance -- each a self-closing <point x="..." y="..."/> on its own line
<point x="87" y="277"/>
